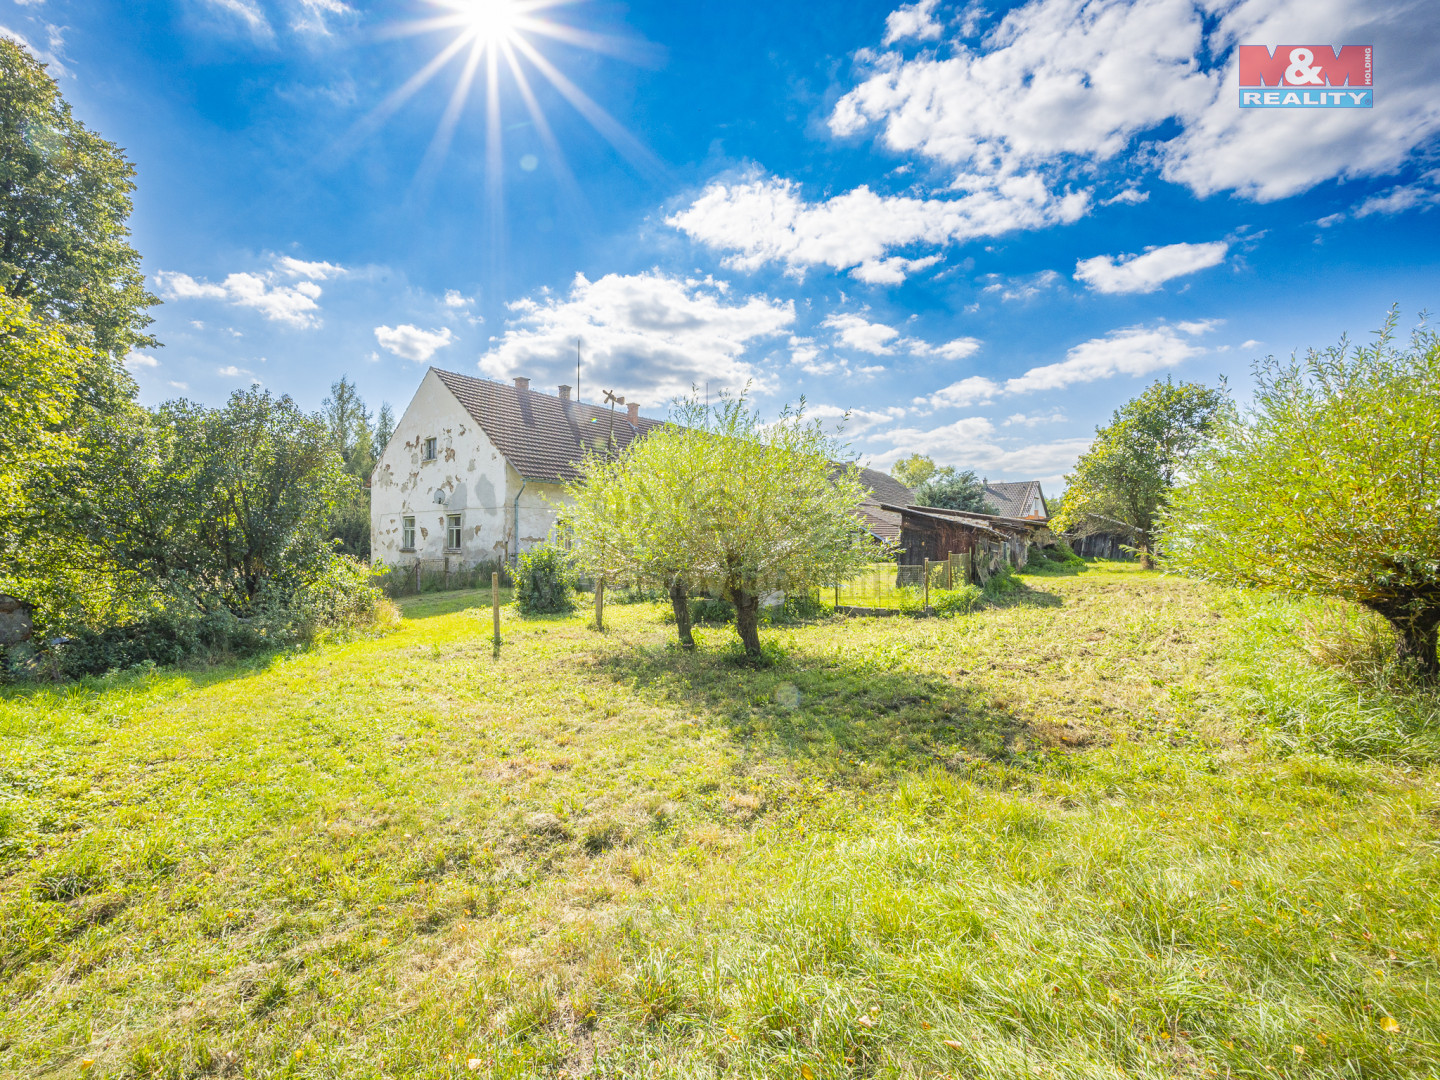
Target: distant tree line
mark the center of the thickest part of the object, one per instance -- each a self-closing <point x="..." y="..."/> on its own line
<point x="139" y="533"/>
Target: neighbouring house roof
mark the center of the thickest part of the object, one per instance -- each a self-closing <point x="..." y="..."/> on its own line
<point x="1013" y="500"/>
<point x="884" y="488"/>
<point x="543" y="437"/>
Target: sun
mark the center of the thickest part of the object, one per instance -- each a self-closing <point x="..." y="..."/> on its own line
<point x="488" y="21"/>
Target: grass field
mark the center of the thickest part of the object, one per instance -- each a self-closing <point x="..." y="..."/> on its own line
<point x="1119" y="826"/>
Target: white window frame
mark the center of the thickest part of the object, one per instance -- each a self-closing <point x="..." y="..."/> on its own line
<point x="407" y="533"/>
<point x="454" y="526"/>
<point x="431" y="450"/>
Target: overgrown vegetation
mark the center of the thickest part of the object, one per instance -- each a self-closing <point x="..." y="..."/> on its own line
<point x="1049" y="832"/>
<point x="545" y="581"/>
<point x="1329" y="485"/>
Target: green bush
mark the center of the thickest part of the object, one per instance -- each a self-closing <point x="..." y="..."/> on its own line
<point x="181" y="631"/>
<point x="960" y="601"/>
<point x="1002" y="584"/>
<point x="545" y="582"/>
<point x="711" y="610"/>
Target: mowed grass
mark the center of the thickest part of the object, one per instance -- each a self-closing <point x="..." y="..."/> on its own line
<point x="1046" y="840"/>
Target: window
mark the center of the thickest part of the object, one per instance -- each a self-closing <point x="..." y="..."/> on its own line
<point x="407" y="534"/>
<point x="452" y="532"/>
<point x="429" y="454"/>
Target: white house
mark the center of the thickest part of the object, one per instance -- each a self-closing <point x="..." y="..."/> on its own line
<point x="472" y="473"/>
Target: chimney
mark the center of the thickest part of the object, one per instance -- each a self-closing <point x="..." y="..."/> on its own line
<point x="633" y="412"/>
<point x="564" y="392"/>
<point x="522" y="383"/>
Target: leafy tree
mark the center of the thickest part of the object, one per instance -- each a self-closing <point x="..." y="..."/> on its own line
<point x="64" y="204"/>
<point x="951" y="489"/>
<point x="39" y="381"/>
<point x="384" y="428"/>
<point x="1125" y="479"/>
<point x="913" y="470"/>
<point x="348" y="420"/>
<point x="722" y="502"/>
<point x="228" y="506"/>
<point x="1329" y="484"/>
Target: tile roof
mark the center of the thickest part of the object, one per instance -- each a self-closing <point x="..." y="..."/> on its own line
<point x="543" y="437"/>
<point x="884" y="488"/>
<point x="1013" y="500"/>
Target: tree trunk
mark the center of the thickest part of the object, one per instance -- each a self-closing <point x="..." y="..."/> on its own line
<point x="1419" y="638"/>
<point x="747" y="620"/>
<point x="680" y="601"/>
<point x="1418" y="627"/>
<point x="1147" y="562"/>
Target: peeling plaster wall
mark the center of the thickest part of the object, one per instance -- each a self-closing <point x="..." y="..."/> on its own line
<point x="472" y="477"/>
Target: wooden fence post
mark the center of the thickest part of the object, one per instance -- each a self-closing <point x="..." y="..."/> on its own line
<point x="926" y="572"/>
<point x="950" y="570"/>
<point x="417" y="577"/>
<point x="599" y="603"/>
<point x="495" y="603"/>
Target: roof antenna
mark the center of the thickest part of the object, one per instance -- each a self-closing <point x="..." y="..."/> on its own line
<point x="577" y="371"/>
<point x="613" y="401"/>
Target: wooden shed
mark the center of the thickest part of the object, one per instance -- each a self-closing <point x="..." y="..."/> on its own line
<point x="933" y="532"/>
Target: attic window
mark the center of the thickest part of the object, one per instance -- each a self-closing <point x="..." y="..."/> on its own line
<point x="429" y="454"/>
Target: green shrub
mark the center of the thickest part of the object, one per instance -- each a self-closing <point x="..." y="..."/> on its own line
<point x="959" y="601"/>
<point x="711" y="610"/>
<point x="545" y="582"/>
<point x="1002" y="584"/>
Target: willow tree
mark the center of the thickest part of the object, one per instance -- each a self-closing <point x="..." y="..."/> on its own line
<point x="1329" y="485"/>
<point x="723" y="502"/>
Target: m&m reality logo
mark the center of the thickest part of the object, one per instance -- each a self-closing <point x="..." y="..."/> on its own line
<point x="1306" y="77"/>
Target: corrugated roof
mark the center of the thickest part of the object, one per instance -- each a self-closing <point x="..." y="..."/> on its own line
<point x="543" y="437"/>
<point x="1013" y="499"/>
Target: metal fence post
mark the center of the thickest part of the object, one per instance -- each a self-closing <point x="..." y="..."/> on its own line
<point x="925" y="572"/>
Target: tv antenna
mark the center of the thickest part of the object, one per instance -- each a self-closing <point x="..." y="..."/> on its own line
<point x="612" y="400"/>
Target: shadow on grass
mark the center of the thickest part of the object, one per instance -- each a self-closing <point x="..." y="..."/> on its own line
<point x="1027" y="595"/>
<point x="839" y="718"/>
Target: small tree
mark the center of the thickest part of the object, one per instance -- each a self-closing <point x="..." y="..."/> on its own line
<point x="913" y="470"/>
<point x="1329" y="485"/>
<point x="1124" y="480"/>
<point x="949" y="488"/>
<point x="721" y="501"/>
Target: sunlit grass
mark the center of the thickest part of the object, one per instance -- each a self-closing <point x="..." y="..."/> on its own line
<point x="1041" y="840"/>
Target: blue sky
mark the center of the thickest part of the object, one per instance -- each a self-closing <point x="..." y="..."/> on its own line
<point x="978" y="228"/>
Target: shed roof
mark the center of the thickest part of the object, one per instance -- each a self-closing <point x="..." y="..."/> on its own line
<point x="1014" y="499"/>
<point x="543" y="437"/>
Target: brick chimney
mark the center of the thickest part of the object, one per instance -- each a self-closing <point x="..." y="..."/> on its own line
<point x="633" y="412"/>
<point x="522" y="383"/>
<point x="564" y="392"/>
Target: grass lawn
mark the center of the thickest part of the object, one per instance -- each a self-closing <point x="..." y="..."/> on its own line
<point x="1066" y="837"/>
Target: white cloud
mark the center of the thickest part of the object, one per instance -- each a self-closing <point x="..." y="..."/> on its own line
<point x="247" y="13"/>
<point x="137" y="360"/>
<point x="975" y="390"/>
<point x="859" y="421"/>
<point x="1129" y="197"/>
<point x="230" y="371"/>
<point x="1399" y="199"/>
<point x="1021" y="288"/>
<point x="293" y="304"/>
<point x="180" y="385"/>
<point x="1146" y="273"/>
<point x="915" y="21"/>
<point x="454" y="299"/>
<point x="312" y="15"/>
<point x="314" y="271"/>
<point x="958" y="349"/>
<point x="411" y="343"/>
<point x="765" y="219"/>
<point x="1059" y="85"/>
<point x="1134" y="350"/>
<point x="650" y="336"/>
<point x="1034" y="420"/>
<point x="859" y="333"/>
<point x="971" y="443"/>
